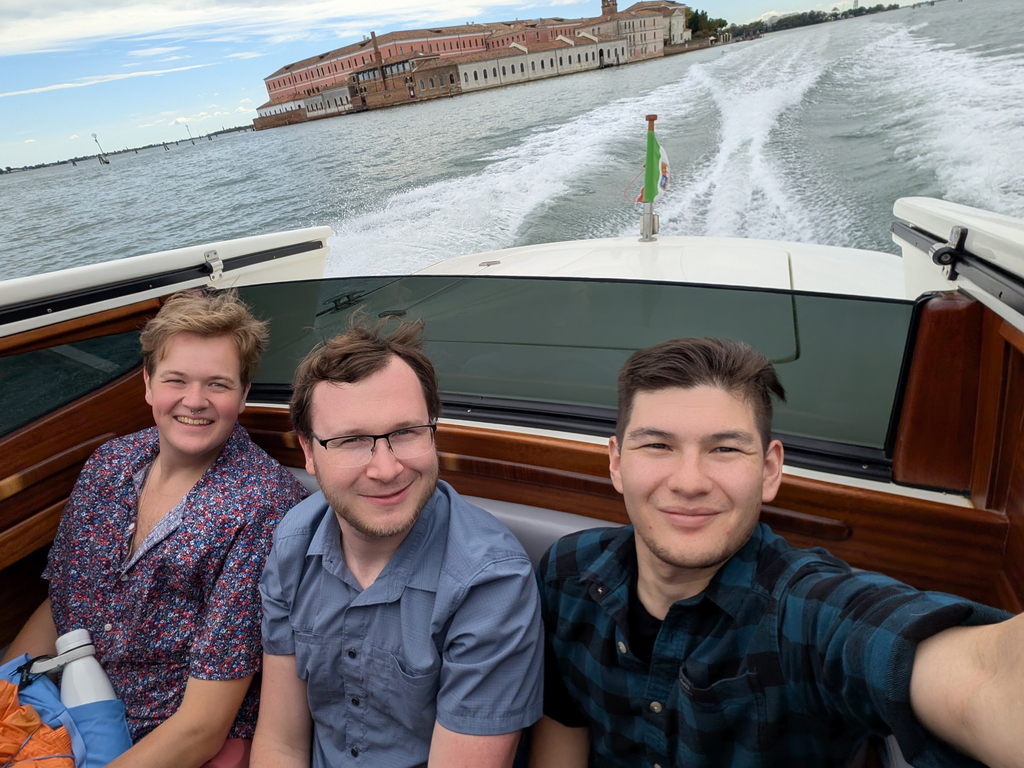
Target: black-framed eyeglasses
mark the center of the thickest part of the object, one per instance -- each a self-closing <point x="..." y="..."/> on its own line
<point x="357" y="450"/>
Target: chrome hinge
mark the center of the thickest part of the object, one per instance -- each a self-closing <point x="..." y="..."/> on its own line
<point x="947" y="254"/>
<point x="214" y="266"/>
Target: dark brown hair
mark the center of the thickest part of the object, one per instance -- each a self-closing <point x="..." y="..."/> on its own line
<point x="355" y="355"/>
<point x="688" y="363"/>
<point x="206" y="313"/>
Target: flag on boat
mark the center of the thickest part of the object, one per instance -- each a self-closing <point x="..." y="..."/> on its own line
<point x="655" y="169"/>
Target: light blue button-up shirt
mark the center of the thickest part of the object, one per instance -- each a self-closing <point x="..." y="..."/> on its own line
<point x="450" y="631"/>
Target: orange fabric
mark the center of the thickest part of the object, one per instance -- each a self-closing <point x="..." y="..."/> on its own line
<point x="18" y="723"/>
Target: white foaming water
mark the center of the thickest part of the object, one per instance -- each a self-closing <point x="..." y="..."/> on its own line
<point x="487" y="210"/>
<point x="956" y="113"/>
<point x="740" y="190"/>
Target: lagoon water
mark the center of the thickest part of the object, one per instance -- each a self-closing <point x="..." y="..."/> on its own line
<point x="806" y="135"/>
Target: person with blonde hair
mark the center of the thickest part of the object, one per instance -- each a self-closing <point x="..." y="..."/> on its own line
<point x="162" y="542"/>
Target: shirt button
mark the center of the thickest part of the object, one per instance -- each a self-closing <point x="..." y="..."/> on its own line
<point x="131" y="526"/>
<point x="622" y="647"/>
<point x="124" y="577"/>
<point x="355" y="702"/>
<point x="355" y="752"/>
<point x="655" y="707"/>
<point x="351" y="654"/>
<point x="108" y="627"/>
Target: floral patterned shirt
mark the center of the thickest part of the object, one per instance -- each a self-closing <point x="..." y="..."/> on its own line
<point x="187" y="603"/>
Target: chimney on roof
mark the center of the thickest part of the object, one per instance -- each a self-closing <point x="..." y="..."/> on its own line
<point x="609" y="8"/>
<point x="378" y="59"/>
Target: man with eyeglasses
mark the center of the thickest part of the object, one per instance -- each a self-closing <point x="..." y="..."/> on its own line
<point x="401" y="624"/>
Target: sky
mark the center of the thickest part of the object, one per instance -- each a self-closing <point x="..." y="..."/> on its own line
<point x="139" y="72"/>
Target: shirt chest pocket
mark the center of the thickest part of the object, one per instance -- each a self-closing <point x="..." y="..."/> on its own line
<point x="407" y="696"/>
<point x="724" y="722"/>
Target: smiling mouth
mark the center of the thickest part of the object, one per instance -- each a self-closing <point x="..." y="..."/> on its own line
<point x="192" y="422"/>
<point x="388" y="498"/>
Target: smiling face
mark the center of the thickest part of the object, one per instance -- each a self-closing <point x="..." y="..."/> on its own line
<point x="196" y="394"/>
<point x="693" y="473"/>
<point x="381" y="499"/>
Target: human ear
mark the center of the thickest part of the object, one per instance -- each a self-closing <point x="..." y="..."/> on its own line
<point x="772" y="473"/>
<point x="615" y="463"/>
<point x="307" y="451"/>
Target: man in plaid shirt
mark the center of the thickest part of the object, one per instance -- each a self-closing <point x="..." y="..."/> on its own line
<point x="697" y="637"/>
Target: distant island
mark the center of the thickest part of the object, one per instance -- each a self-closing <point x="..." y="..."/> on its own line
<point x="92" y="158"/>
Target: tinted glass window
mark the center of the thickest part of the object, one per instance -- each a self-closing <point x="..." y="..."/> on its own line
<point x="36" y="383"/>
<point x="562" y="341"/>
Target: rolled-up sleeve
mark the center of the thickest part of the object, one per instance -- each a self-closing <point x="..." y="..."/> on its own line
<point x="276" y="627"/>
<point x="493" y="661"/>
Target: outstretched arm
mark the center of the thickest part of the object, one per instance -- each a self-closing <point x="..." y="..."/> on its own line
<point x="967" y="687"/>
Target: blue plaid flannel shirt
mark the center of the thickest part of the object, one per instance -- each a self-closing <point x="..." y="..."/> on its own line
<point x="788" y="658"/>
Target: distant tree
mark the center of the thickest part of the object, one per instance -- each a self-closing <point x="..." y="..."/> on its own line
<point x="700" y="25"/>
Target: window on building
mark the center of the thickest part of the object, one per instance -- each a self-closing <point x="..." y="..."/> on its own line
<point x="586" y="57"/>
<point x="423" y="86"/>
<point x="533" y="66"/>
<point x="431" y="83"/>
<point x="542" y="63"/>
<point x="494" y="71"/>
<point x="466" y="75"/>
<point x="552" y="62"/>
<point x="577" y="58"/>
<point x="503" y="70"/>
<point x="522" y="68"/>
<point x="485" y="73"/>
<point x="559" y="61"/>
<point x="451" y="78"/>
<point x="475" y="75"/>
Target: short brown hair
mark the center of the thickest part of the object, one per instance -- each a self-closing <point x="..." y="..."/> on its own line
<point x="688" y="363"/>
<point x="355" y="355"/>
<point x="206" y="313"/>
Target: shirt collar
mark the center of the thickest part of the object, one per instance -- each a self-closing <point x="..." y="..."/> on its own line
<point x="610" y="574"/>
<point x="408" y="565"/>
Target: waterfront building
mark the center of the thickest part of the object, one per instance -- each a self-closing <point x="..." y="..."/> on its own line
<point x="523" y="62"/>
<point x="412" y="65"/>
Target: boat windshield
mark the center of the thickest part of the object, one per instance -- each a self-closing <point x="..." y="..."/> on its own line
<point x="546" y="351"/>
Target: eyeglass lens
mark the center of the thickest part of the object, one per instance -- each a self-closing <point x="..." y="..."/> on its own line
<point x="356" y="450"/>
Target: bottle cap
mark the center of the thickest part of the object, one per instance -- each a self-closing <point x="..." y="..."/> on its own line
<point x="73" y="639"/>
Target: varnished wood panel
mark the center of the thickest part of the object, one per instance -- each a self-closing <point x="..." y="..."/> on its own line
<point x="111" y="321"/>
<point x="30" y="534"/>
<point x="42" y="461"/>
<point x="934" y="445"/>
<point x="911" y="539"/>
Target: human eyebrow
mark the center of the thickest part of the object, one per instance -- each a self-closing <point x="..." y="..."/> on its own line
<point x="647" y="433"/>
<point x="739" y="436"/>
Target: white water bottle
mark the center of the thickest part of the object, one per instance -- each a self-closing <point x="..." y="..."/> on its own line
<point x="83" y="680"/>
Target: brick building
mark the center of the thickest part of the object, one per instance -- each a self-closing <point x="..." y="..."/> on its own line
<point x="413" y="65"/>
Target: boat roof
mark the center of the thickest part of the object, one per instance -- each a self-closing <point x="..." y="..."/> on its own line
<point x="702" y="260"/>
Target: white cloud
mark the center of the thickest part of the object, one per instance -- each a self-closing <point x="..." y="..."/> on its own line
<point x="244" y="109"/>
<point x="155" y="51"/>
<point x="63" y="24"/>
<point x="245" y="101"/>
<point x="73" y="136"/>
<point x="147" y="125"/>
<point x="30" y="141"/>
<point x="245" y="55"/>
<point x="176" y="58"/>
<point x="97" y="79"/>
